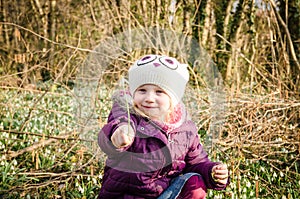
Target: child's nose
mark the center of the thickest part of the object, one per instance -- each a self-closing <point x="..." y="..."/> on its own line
<point x="149" y="97"/>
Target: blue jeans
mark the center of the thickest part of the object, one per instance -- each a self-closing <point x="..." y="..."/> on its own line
<point x="176" y="186"/>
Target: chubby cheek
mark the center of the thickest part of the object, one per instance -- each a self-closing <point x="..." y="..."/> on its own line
<point x="136" y="100"/>
<point x="164" y="107"/>
<point x="137" y="104"/>
<point x="165" y="104"/>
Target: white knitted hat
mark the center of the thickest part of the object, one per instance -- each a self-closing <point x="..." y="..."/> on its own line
<point x="165" y="72"/>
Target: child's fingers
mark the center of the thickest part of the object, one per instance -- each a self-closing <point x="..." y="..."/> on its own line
<point x="220" y="173"/>
<point x="127" y="130"/>
<point x="119" y="138"/>
<point x="123" y="136"/>
<point x="128" y="133"/>
<point x="221" y="167"/>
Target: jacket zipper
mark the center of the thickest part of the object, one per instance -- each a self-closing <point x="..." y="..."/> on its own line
<point x="169" y="138"/>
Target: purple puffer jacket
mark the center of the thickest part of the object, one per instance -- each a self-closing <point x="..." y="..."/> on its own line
<point x="145" y="168"/>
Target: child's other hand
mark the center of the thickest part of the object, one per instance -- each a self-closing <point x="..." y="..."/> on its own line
<point x="220" y="173"/>
<point x="123" y="136"/>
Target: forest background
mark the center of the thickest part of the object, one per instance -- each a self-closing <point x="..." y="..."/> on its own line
<point x="255" y="46"/>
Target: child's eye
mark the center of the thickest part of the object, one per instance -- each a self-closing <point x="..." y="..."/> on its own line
<point x="142" y="90"/>
<point x="160" y="91"/>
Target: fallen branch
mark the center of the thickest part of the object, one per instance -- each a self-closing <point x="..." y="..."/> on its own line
<point x="43" y="143"/>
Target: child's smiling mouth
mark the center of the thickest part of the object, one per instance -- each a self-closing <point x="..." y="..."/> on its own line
<point x="148" y="107"/>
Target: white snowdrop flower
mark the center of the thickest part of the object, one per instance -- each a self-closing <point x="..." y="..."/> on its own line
<point x="278" y="139"/>
<point x="2" y="146"/>
<point x="15" y="162"/>
<point x="100" y="176"/>
<point x="287" y="169"/>
<point x="248" y="184"/>
<point x="244" y="196"/>
<point x="47" y="151"/>
<point x="81" y="189"/>
<point x="281" y="174"/>
<point x="244" y="190"/>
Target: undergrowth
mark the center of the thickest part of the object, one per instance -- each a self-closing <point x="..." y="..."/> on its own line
<point x="43" y="155"/>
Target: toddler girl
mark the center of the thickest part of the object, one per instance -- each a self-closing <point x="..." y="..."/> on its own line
<point x="152" y="146"/>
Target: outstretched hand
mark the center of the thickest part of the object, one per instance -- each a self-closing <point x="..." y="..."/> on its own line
<point x="123" y="136"/>
<point x="220" y="173"/>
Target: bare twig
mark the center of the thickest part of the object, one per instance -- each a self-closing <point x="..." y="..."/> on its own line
<point x="49" y="40"/>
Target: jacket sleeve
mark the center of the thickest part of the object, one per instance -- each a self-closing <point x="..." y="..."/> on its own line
<point x="197" y="161"/>
<point x="117" y="117"/>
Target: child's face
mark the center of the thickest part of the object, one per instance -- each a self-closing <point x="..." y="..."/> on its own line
<point x="153" y="101"/>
